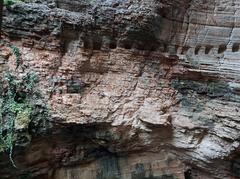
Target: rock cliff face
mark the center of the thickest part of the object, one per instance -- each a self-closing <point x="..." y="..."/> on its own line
<point x="136" y="89"/>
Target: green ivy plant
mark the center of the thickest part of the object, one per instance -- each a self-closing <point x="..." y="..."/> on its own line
<point x="16" y="52"/>
<point x="21" y="104"/>
<point x="15" y="109"/>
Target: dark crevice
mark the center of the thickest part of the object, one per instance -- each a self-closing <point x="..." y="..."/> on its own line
<point x="87" y="44"/>
<point x="165" y="48"/>
<point x="153" y="48"/>
<point x="184" y="50"/>
<point x="188" y="174"/>
<point x="20" y="97"/>
<point x="222" y="48"/>
<point x="197" y="49"/>
<point x="235" y="47"/>
<point x="97" y="45"/>
<point x="113" y="45"/>
<point x="126" y="44"/>
<point x="140" y="46"/>
<point x="208" y="48"/>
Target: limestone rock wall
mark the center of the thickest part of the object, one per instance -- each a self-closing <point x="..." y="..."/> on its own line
<point x="137" y="89"/>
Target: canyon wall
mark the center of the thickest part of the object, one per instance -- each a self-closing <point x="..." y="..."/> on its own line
<point x="136" y="89"/>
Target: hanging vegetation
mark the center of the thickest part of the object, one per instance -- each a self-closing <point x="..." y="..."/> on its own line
<point x="23" y="112"/>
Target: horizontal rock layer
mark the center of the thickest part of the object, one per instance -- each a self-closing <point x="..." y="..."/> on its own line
<point x="158" y="79"/>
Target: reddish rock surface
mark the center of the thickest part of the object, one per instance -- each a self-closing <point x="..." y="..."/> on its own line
<point x="137" y="89"/>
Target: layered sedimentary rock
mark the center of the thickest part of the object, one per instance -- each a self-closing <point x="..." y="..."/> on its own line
<point x="136" y="89"/>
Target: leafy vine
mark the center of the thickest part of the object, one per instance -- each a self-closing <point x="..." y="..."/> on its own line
<point x="22" y="109"/>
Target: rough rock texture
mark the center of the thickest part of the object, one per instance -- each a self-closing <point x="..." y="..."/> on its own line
<point x="137" y="89"/>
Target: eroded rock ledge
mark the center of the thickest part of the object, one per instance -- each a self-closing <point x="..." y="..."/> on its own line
<point x="137" y="89"/>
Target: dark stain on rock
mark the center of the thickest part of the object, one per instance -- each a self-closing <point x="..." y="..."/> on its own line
<point x="140" y="172"/>
<point x="109" y="168"/>
<point x="236" y="167"/>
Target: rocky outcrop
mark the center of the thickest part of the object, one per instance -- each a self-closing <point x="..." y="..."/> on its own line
<point x="136" y="89"/>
